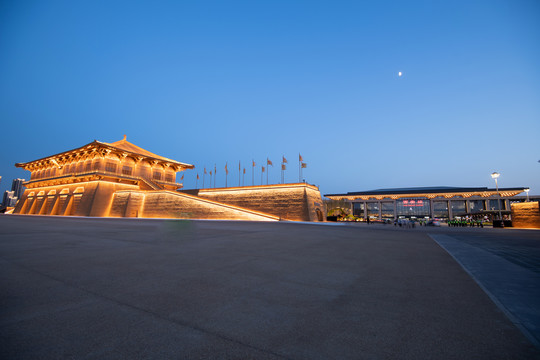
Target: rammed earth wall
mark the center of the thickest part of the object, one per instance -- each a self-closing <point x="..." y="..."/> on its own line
<point x="526" y="215"/>
<point x="297" y="202"/>
<point x="175" y="205"/>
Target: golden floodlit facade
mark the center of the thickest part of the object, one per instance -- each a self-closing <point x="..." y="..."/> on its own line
<point x="121" y="179"/>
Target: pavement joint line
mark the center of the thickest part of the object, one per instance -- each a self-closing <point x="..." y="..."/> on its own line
<point x="148" y="312"/>
<point x="493" y="298"/>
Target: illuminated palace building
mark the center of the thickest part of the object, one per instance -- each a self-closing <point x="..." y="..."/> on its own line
<point x="121" y="179"/>
<point x="431" y="202"/>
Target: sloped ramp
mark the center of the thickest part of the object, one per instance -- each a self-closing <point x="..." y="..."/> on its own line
<point x="175" y="205"/>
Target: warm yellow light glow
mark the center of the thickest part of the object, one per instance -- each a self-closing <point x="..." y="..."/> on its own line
<point x="430" y="196"/>
<point x="260" y="187"/>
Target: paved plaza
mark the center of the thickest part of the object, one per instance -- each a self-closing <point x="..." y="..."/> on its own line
<point x="81" y="288"/>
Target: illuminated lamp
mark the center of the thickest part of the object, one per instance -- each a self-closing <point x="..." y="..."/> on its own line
<point x="495" y="175"/>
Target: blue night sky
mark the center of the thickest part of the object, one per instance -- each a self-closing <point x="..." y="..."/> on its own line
<point x="208" y="82"/>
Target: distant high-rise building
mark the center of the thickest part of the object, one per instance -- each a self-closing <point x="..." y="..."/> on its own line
<point x="9" y="199"/>
<point x="17" y="187"/>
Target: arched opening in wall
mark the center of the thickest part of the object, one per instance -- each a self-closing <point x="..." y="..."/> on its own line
<point x="28" y="203"/>
<point x="76" y="200"/>
<point x="319" y="214"/>
<point x="38" y="203"/>
<point x="51" y="202"/>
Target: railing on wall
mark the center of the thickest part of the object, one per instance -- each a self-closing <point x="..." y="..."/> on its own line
<point x="153" y="184"/>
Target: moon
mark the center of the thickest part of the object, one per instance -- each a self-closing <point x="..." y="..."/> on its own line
<point x="399" y="74"/>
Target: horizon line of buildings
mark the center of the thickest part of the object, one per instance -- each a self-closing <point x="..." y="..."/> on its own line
<point x="118" y="179"/>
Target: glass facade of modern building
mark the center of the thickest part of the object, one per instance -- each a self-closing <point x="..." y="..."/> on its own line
<point x="412" y="207"/>
<point x="387" y="210"/>
<point x="440" y="209"/>
<point x="358" y="209"/>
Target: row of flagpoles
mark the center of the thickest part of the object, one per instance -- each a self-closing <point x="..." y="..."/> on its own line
<point x="242" y="172"/>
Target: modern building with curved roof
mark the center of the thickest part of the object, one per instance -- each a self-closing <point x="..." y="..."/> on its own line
<point x="442" y="202"/>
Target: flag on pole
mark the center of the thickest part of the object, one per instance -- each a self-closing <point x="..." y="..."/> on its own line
<point x="198" y="176"/>
<point x="304" y="165"/>
<point x="226" y="174"/>
<point x="182" y="178"/>
<point x="205" y="171"/>
<point x="244" y="170"/>
<point x="283" y="167"/>
<point x="284" y="160"/>
<point x="263" y="169"/>
<point x="268" y="163"/>
<point x="300" y="158"/>
<point x="253" y="173"/>
<point x="210" y="172"/>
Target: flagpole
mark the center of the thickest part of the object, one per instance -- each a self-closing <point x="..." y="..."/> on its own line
<point x="197" y="181"/>
<point x="204" y="173"/>
<point x="252" y="172"/>
<point x="299" y="168"/>
<point x="267" y="170"/>
<point x="239" y="172"/>
<point x="215" y="172"/>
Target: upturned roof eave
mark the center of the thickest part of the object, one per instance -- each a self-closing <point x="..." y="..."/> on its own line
<point x="153" y="156"/>
<point x="106" y="145"/>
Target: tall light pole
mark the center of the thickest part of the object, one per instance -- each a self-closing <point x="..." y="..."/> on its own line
<point x="527" y="192"/>
<point x="495" y="176"/>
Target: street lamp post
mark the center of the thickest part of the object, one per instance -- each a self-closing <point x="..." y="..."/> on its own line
<point x="495" y="176"/>
<point x="527" y="192"/>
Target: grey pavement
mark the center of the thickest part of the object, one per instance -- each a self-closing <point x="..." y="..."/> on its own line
<point x="509" y="274"/>
<point x="151" y="289"/>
